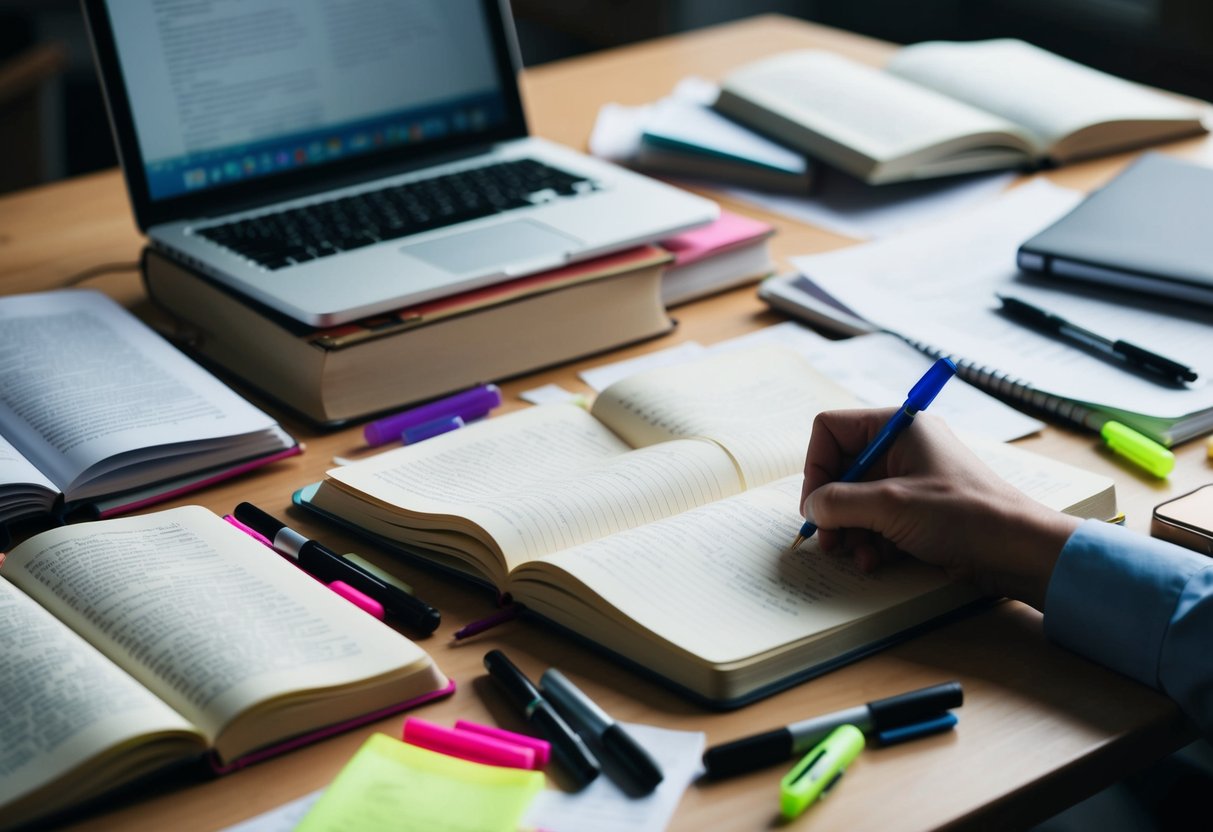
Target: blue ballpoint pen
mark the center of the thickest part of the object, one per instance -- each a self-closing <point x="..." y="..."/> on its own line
<point x="922" y="394"/>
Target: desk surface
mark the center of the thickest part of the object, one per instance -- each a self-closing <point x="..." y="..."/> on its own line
<point x="1040" y="728"/>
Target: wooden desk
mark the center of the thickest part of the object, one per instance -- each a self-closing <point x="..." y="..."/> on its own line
<point x="1040" y="728"/>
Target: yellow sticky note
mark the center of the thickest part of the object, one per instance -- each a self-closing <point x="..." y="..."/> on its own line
<point x="391" y="785"/>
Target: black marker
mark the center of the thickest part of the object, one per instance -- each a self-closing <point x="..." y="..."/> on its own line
<point x="760" y="750"/>
<point x="567" y="747"/>
<point x="322" y="562"/>
<point x="587" y="718"/>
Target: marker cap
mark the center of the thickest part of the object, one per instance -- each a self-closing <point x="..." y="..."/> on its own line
<point x="1138" y="449"/>
<point x="819" y="770"/>
<point x="467" y="745"/>
<point x="928" y="387"/>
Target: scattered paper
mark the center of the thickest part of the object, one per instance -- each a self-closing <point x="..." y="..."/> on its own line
<point x="847" y="206"/>
<point x="390" y="785"/>
<point x="282" y="819"/>
<point x="879" y="369"/>
<point x="603" y="806"/>
<point x="550" y="394"/>
<point x="602" y="377"/>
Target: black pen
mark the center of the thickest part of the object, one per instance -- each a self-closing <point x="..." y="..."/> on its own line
<point x="322" y="562"/>
<point x="771" y="747"/>
<point x="567" y="746"/>
<point x="587" y="718"/>
<point x="1122" y="351"/>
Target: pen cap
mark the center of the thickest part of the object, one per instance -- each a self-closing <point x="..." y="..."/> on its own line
<point x="915" y="706"/>
<point x="578" y="709"/>
<point x="928" y="387"/>
<point x="748" y="753"/>
<point x="819" y="770"/>
<point x="1138" y="449"/>
<point x="633" y="757"/>
<point x="517" y="686"/>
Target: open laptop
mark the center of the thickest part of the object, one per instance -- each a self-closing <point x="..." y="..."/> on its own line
<point x="335" y="159"/>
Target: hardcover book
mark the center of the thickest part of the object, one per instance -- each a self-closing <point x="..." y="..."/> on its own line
<point x="132" y="644"/>
<point x="342" y="373"/>
<point x="100" y="415"/>
<point x="941" y="108"/>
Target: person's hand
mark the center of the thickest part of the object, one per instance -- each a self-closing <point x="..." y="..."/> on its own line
<point x="931" y="498"/>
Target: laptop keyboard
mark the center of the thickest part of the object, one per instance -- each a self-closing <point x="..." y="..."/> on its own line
<point x="326" y="228"/>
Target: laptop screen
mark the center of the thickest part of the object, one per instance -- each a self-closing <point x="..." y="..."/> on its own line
<point x="223" y="92"/>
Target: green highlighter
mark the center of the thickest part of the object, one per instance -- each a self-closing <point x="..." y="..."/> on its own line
<point x="1138" y="449"/>
<point x="819" y="770"/>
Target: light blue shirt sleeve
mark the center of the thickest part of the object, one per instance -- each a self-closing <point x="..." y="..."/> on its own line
<point x="1141" y="606"/>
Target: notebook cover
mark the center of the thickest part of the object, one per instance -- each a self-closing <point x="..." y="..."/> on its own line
<point x="327" y="731"/>
<point x="1146" y="230"/>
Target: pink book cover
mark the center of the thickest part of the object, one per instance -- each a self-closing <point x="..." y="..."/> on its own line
<point x="727" y="232"/>
<point x="327" y="731"/>
<point x="142" y="498"/>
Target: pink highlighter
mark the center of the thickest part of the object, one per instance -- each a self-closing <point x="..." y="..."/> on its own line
<point x="356" y="597"/>
<point x="473" y="745"/>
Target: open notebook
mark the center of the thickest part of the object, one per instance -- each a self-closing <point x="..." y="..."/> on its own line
<point x="936" y="287"/>
<point x="656" y="526"/>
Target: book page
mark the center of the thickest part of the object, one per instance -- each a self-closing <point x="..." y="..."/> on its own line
<point x="540" y="480"/>
<point x="720" y="583"/>
<point x="1046" y="94"/>
<point x="859" y="107"/>
<point x="204" y="616"/>
<point x="86" y="382"/>
<point x="66" y="705"/>
<point x="759" y="404"/>
<point x="24" y="490"/>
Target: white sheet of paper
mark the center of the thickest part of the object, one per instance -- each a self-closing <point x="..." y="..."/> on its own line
<point x="603" y="806"/>
<point x="605" y="375"/>
<point x="879" y="370"/>
<point x="937" y="286"/>
<point x="549" y="394"/>
<point x="847" y="206"/>
<point x="284" y="818"/>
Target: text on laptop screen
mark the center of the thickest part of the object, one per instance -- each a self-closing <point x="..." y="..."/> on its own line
<point x="223" y="91"/>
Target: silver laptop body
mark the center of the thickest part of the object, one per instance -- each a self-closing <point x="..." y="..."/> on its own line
<point x="244" y="128"/>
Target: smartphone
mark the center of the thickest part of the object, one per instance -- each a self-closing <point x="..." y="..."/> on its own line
<point x="1186" y="520"/>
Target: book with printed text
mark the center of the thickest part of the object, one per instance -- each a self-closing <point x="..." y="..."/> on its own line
<point x="136" y="643"/>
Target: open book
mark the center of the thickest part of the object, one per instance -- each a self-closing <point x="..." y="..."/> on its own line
<point x="941" y="108"/>
<point x="130" y="644"/>
<point x="97" y="409"/>
<point x="657" y="525"/>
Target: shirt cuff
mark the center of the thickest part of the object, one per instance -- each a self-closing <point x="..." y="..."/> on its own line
<point x="1113" y="594"/>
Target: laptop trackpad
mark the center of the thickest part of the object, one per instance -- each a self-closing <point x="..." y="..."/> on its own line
<point x="513" y="247"/>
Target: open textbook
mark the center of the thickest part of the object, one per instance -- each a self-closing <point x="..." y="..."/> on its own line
<point x="657" y="525"/>
<point x="130" y="644"/>
<point x="97" y="409"/>
<point x="940" y="108"/>
<point x="937" y="287"/>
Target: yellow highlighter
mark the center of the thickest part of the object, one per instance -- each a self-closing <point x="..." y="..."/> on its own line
<point x="819" y="770"/>
<point x="1138" y="449"/>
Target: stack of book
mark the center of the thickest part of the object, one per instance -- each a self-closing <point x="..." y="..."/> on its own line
<point x="342" y="373"/>
<point x="337" y="374"/>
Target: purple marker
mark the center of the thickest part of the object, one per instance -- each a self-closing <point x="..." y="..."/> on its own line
<point x="427" y="429"/>
<point x="469" y="404"/>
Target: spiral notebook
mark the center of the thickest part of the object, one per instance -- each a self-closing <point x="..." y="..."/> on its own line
<point x="936" y="288"/>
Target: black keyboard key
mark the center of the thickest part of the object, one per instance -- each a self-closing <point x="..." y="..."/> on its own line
<point x="323" y="229"/>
